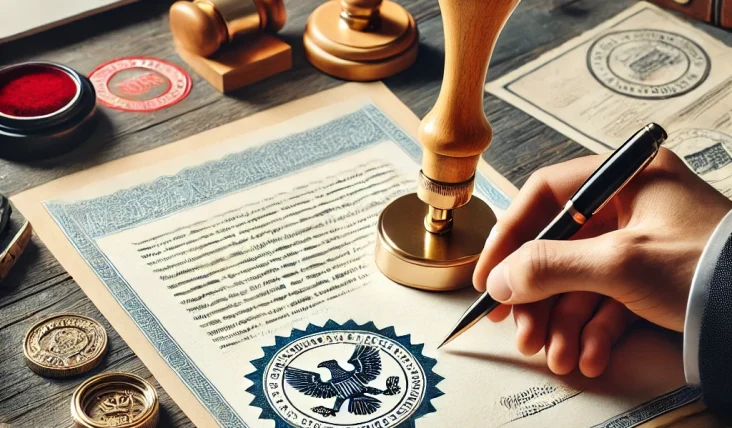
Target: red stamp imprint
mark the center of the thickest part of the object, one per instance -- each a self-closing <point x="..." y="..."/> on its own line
<point x="140" y="84"/>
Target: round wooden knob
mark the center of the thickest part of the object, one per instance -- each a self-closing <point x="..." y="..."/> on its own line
<point x="197" y="27"/>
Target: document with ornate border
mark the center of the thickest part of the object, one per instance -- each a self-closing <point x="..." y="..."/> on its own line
<point x="645" y="65"/>
<point x="238" y="265"/>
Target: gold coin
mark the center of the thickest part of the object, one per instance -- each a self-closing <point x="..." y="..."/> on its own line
<point x="115" y="400"/>
<point x="64" y="345"/>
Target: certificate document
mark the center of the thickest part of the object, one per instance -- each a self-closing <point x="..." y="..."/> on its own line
<point x="238" y="264"/>
<point x="645" y="65"/>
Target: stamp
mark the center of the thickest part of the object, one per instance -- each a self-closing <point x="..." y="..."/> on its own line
<point x="346" y="375"/>
<point x="648" y="64"/>
<point x="708" y="153"/>
<point x="140" y="84"/>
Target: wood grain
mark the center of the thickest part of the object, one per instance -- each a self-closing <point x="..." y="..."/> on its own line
<point x="456" y="132"/>
<point x="37" y="286"/>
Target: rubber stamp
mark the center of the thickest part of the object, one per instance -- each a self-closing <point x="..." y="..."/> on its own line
<point x="432" y="239"/>
<point x="361" y="40"/>
<point x="229" y="42"/>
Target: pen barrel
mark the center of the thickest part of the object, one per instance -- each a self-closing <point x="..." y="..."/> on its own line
<point x="563" y="227"/>
<point x="627" y="161"/>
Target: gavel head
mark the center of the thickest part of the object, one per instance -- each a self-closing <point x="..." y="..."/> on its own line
<point x="203" y="26"/>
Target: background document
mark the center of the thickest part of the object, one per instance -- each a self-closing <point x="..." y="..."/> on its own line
<point x="645" y="65"/>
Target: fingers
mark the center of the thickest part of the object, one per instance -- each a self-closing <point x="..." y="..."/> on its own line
<point x="599" y="336"/>
<point x="500" y="313"/>
<point x="532" y="321"/>
<point x="543" y="268"/>
<point x="569" y="315"/>
<point x="540" y="199"/>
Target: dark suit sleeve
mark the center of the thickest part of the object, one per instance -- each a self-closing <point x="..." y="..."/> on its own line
<point x="708" y="326"/>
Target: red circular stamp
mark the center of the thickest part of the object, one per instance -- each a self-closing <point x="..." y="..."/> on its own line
<point x="141" y="84"/>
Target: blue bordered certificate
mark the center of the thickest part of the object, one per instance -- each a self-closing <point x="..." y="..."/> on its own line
<point x="238" y="265"/>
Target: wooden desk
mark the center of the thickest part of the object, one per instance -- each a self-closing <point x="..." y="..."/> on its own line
<point x="39" y="286"/>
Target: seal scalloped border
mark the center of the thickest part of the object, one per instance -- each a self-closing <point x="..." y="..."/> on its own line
<point x="260" y="364"/>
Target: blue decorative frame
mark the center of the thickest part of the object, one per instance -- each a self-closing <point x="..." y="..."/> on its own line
<point x="85" y="221"/>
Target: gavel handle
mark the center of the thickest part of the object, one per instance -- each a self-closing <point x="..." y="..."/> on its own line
<point x="456" y="131"/>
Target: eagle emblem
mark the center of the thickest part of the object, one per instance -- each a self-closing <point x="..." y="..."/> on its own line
<point x="346" y="385"/>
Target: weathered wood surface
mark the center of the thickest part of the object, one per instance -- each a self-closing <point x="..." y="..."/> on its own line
<point x="38" y="285"/>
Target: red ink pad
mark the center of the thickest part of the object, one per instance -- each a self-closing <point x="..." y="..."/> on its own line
<point x="36" y="91"/>
<point x="46" y="109"/>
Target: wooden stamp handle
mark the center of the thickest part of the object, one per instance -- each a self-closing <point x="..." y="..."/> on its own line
<point x="456" y="132"/>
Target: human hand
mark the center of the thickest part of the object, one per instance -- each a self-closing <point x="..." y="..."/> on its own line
<point x="634" y="258"/>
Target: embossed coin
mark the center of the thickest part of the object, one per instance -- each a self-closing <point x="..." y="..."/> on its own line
<point x="115" y="400"/>
<point x="64" y="345"/>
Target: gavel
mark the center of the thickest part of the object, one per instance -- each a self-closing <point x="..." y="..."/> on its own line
<point x="432" y="239"/>
<point x="203" y="26"/>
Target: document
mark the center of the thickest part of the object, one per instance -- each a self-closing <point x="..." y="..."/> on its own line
<point x="645" y="65"/>
<point x="239" y="265"/>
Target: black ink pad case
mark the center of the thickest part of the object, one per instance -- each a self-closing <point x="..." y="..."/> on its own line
<point x="46" y="109"/>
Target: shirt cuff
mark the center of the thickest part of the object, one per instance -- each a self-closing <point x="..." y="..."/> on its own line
<point x="698" y="297"/>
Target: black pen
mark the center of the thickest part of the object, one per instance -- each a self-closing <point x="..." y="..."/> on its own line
<point x="624" y="164"/>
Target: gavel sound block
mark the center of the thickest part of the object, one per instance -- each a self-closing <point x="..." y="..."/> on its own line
<point x="226" y="41"/>
<point x="361" y="40"/>
<point x="432" y="239"/>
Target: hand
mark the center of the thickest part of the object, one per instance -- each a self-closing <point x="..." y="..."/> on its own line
<point x="634" y="258"/>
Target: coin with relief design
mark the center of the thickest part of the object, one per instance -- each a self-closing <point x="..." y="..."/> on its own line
<point x="64" y="345"/>
<point x="119" y="400"/>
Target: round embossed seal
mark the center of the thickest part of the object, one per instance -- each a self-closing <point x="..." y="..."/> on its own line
<point x="140" y="84"/>
<point x="115" y="400"/>
<point x="707" y="152"/>
<point x="346" y="375"/>
<point x="64" y="345"/>
<point x="648" y="64"/>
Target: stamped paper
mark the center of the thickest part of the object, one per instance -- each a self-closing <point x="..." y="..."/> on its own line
<point x="344" y="375"/>
<point x="140" y="84"/>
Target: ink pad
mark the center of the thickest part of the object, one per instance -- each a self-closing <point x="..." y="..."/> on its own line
<point x="46" y="109"/>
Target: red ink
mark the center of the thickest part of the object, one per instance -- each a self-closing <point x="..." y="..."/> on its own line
<point x="140" y="84"/>
<point x="35" y="91"/>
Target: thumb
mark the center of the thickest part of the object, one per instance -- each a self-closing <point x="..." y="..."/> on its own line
<point x="543" y="268"/>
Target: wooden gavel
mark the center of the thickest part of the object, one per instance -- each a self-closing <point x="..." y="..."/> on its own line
<point x="432" y="240"/>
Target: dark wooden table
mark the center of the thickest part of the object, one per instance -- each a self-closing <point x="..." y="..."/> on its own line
<point x="39" y="286"/>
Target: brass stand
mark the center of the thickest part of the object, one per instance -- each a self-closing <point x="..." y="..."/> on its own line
<point x="361" y="40"/>
<point x="432" y="240"/>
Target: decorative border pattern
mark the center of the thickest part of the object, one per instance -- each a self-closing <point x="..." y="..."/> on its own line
<point x="651" y="409"/>
<point x="260" y="365"/>
<point x="85" y="221"/>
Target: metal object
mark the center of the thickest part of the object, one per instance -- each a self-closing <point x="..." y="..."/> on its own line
<point x="410" y="255"/>
<point x="115" y="400"/>
<point x="64" y="345"/>
<point x="361" y="40"/>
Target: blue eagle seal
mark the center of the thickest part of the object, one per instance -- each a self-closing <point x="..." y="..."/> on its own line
<point x="350" y="375"/>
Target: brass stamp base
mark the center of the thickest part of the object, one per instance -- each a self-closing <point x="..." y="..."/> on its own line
<point x="409" y="255"/>
<point x="336" y="49"/>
